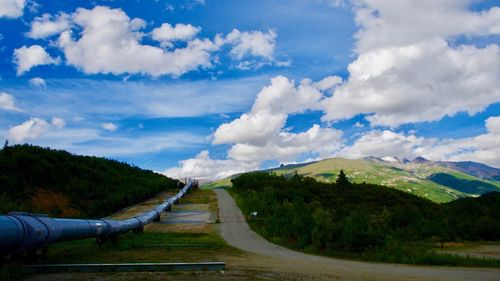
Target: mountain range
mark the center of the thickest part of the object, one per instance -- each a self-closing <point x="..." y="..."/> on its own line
<point x="439" y="181"/>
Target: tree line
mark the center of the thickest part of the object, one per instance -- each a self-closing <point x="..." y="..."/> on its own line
<point x="360" y="220"/>
<point x="96" y="187"/>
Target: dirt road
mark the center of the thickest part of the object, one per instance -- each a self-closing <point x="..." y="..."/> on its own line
<point x="237" y="233"/>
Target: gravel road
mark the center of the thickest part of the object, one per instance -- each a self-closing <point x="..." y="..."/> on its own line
<point x="236" y="232"/>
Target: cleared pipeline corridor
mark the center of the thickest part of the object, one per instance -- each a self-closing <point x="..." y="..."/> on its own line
<point x="26" y="233"/>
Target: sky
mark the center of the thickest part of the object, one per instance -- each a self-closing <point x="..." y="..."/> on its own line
<point x="209" y="88"/>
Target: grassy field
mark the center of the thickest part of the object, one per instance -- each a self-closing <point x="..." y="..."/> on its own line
<point x="223" y="183"/>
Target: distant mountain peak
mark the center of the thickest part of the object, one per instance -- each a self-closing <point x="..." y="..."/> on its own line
<point x="479" y="170"/>
<point x="420" y="159"/>
<point x="372" y="158"/>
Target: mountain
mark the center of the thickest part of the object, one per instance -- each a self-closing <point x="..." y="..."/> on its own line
<point x="437" y="181"/>
<point x="474" y="169"/>
<point x="36" y="179"/>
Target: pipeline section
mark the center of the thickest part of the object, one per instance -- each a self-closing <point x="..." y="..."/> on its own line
<point x="26" y="232"/>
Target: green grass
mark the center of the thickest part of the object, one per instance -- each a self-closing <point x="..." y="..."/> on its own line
<point x="222" y="183"/>
<point x="140" y="247"/>
<point x="131" y="248"/>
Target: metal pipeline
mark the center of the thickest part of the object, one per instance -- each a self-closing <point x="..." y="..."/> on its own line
<point x="24" y="232"/>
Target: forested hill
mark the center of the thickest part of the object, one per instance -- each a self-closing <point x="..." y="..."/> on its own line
<point x="364" y="221"/>
<point x="45" y="180"/>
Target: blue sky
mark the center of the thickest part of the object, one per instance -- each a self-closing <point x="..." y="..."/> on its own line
<point x="209" y="88"/>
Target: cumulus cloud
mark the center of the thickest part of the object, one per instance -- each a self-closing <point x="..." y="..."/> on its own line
<point x="493" y="125"/>
<point x="260" y="134"/>
<point x="48" y="25"/>
<point x="400" y="23"/>
<point x="328" y="82"/>
<point x="29" y="130"/>
<point x="269" y="112"/>
<point x="28" y="57"/>
<point x="110" y="43"/>
<point x="204" y="167"/>
<point x="12" y="8"/>
<point x="484" y="148"/>
<point x="58" y="122"/>
<point x="7" y="102"/>
<point x="282" y="96"/>
<point x="253" y="128"/>
<point x="34" y="128"/>
<point x="37" y="81"/>
<point x="286" y="146"/>
<point x="386" y="143"/>
<point x="166" y="34"/>
<point x="255" y="43"/>
<point x="105" y="40"/>
<point x="421" y="82"/>
<point x="109" y="127"/>
<point x="407" y="71"/>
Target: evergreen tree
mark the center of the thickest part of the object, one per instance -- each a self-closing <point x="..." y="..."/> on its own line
<point x="342" y="179"/>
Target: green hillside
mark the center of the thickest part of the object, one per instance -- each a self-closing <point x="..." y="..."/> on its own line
<point x="364" y="221"/>
<point x="416" y="178"/>
<point x="44" y="180"/>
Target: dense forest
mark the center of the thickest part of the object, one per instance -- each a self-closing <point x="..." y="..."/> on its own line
<point x="91" y="186"/>
<point x="361" y="220"/>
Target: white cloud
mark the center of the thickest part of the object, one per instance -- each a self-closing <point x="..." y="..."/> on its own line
<point x="12" y="8"/>
<point x="29" y="130"/>
<point x="283" y="97"/>
<point x="166" y="34"/>
<point x="328" y="82"/>
<point x="105" y="40"/>
<point x="110" y="43"/>
<point x="386" y="143"/>
<point x="269" y="112"/>
<point x="48" y="25"/>
<point x="260" y="135"/>
<point x="358" y="125"/>
<point x="254" y="128"/>
<point x="58" y="122"/>
<point x="386" y="23"/>
<point x="286" y="146"/>
<point x="255" y="43"/>
<point x="204" y="167"/>
<point x="484" y="148"/>
<point x="407" y="71"/>
<point x="26" y="58"/>
<point x="421" y="82"/>
<point x="37" y="81"/>
<point x="493" y="125"/>
<point x="33" y="129"/>
<point x="109" y="127"/>
<point x="7" y="102"/>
